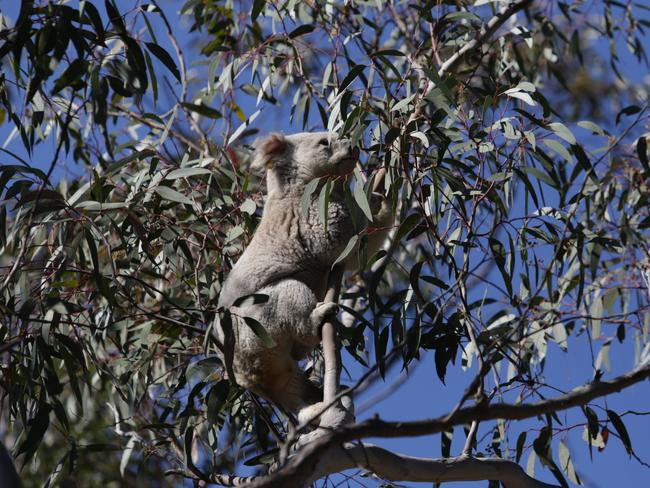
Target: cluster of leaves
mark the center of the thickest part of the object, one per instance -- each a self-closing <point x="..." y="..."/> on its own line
<point x="519" y="224"/>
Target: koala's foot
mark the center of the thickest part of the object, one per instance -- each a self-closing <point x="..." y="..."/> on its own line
<point x="322" y="311"/>
<point x="341" y="413"/>
<point x="309" y="413"/>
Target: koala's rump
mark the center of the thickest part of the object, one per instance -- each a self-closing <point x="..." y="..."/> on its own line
<point x="286" y="319"/>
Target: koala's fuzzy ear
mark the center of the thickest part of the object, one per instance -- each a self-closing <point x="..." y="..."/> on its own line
<point x="267" y="150"/>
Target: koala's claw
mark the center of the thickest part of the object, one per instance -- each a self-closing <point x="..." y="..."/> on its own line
<point x="322" y="311"/>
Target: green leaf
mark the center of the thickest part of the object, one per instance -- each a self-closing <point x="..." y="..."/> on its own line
<point x="539" y="175"/>
<point x="164" y="58"/>
<point x="323" y="203"/>
<point x="440" y="84"/>
<point x="566" y="464"/>
<point x="592" y="422"/>
<point x="563" y="132"/>
<point x="499" y="253"/>
<point x="258" y="6"/>
<point x="260" y="332"/>
<point x="93" y="206"/>
<point x="380" y="351"/>
<point x="135" y="60"/>
<point x="446" y="438"/>
<point x="248" y="206"/>
<point x="583" y="160"/>
<point x="301" y="31"/>
<point x="216" y="399"/>
<point x="204" y="110"/>
<point x="348" y="248"/>
<point x="521" y="441"/>
<point x="362" y="200"/>
<point x="388" y="52"/>
<point x="152" y="76"/>
<point x="234" y="233"/>
<point x="591" y="126"/>
<point x="349" y="78"/>
<point x="115" y="17"/>
<point x="252" y="299"/>
<point x="306" y="199"/>
<point x="267" y="457"/>
<point x="557" y="147"/>
<point x="36" y="429"/>
<point x="629" y="110"/>
<point x="407" y="225"/>
<point x="90" y="239"/>
<point x="186" y="172"/>
<point x="72" y="76"/>
<point x="93" y="14"/>
<point x="435" y="281"/>
<point x="172" y="195"/>
<point x="126" y="454"/>
<point x="187" y="444"/>
<point x="618" y="424"/>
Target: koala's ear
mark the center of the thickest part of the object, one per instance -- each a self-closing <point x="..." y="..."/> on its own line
<point x="267" y="150"/>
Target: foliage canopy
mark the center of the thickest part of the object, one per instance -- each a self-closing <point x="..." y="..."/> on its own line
<point x="515" y="154"/>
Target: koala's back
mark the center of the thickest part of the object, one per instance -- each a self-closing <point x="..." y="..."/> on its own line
<point x="290" y="244"/>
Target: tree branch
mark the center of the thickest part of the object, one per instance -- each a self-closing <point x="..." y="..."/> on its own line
<point x="491" y="27"/>
<point x="398" y="467"/>
<point x="331" y="353"/>
<point x="299" y="469"/>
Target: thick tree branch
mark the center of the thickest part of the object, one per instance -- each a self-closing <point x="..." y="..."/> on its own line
<point x="300" y="467"/>
<point x="397" y="467"/>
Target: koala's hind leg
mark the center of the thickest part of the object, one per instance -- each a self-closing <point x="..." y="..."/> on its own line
<point x="293" y="317"/>
<point x="289" y="387"/>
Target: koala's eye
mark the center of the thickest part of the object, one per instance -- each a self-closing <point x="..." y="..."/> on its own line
<point x="323" y="142"/>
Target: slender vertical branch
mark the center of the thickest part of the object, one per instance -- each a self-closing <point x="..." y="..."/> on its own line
<point x="331" y="353"/>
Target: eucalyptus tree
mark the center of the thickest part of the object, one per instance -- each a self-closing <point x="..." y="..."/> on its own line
<point x="510" y="138"/>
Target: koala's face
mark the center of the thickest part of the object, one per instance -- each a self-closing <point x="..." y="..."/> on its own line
<point x="299" y="158"/>
<point x="322" y="154"/>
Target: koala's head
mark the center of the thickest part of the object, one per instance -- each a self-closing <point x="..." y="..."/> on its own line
<point x="297" y="159"/>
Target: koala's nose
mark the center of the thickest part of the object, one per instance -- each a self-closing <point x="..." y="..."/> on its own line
<point x="355" y="152"/>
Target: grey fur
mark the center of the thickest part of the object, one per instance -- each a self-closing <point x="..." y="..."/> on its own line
<point x="288" y="260"/>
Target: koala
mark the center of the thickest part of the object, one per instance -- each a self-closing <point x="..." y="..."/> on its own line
<point x="288" y="260"/>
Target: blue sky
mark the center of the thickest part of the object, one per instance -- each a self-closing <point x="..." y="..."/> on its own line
<point x="423" y="395"/>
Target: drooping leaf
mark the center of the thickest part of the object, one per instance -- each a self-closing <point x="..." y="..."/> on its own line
<point x="204" y="110"/>
<point x="301" y="30"/>
<point x="172" y="195"/>
<point x="164" y="58"/>
<point x="260" y="332"/>
<point x="349" y="78"/>
<point x="618" y="424"/>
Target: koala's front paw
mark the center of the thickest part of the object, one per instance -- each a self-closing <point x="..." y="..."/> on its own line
<point x="322" y="311"/>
